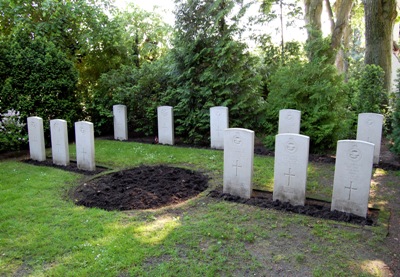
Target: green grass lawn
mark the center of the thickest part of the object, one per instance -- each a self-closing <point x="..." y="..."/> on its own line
<point x="42" y="232"/>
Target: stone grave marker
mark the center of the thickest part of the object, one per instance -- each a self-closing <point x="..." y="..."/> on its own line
<point x="120" y="122"/>
<point x="352" y="179"/>
<point x="59" y="142"/>
<point x="369" y="129"/>
<point x="219" y="121"/>
<point x="84" y="139"/>
<point x="36" y="138"/>
<point x="238" y="162"/>
<point x="290" y="168"/>
<point x="165" y="119"/>
<point x="289" y="121"/>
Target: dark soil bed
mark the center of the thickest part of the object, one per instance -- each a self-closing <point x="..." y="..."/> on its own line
<point x="72" y="167"/>
<point x="312" y="207"/>
<point x="143" y="187"/>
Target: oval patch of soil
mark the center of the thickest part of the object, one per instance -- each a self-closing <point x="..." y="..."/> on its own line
<point x="144" y="187"/>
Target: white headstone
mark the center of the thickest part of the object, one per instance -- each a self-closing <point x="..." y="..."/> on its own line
<point x="165" y="119"/>
<point x="120" y="122"/>
<point x="290" y="168"/>
<point x="352" y="180"/>
<point x="238" y="162"/>
<point x="36" y="138"/>
<point x="219" y="121"/>
<point x="289" y="121"/>
<point x="59" y="142"/>
<point x="369" y="129"/>
<point x="84" y="139"/>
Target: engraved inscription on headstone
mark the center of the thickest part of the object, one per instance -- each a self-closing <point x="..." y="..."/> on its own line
<point x="165" y="120"/>
<point x="219" y="121"/>
<point x="59" y="142"/>
<point x="36" y="138"/>
<point x="238" y="162"/>
<point x="85" y="153"/>
<point x="369" y="129"/>
<point x="289" y="121"/>
<point x="352" y="180"/>
<point x="120" y="122"/>
<point x="290" y="169"/>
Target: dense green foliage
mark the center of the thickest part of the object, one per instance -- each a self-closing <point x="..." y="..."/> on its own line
<point x="139" y="78"/>
<point x="140" y="89"/>
<point x="316" y="89"/>
<point x="37" y="79"/>
<point x="370" y="95"/>
<point x="76" y="59"/>
<point x="211" y="69"/>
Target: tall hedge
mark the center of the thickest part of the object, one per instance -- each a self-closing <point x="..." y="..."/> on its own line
<point x="37" y="79"/>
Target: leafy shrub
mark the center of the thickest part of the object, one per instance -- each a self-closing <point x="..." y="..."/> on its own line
<point x="12" y="131"/>
<point x="222" y="74"/>
<point x="316" y="89"/>
<point x="37" y="79"/>
<point x="371" y="96"/>
<point x="140" y="89"/>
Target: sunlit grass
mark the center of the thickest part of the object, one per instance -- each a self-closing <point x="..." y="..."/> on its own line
<point x="42" y="232"/>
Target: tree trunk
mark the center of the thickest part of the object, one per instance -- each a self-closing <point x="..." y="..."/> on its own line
<point x="342" y="21"/>
<point x="313" y="11"/>
<point x="379" y="22"/>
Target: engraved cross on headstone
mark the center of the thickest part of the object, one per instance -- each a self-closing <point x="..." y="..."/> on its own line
<point x="236" y="165"/>
<point x="289" y="175"/>
<point x="350" y="188"/>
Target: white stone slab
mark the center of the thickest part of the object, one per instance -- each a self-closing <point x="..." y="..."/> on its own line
<point x="59" y="142"/>
<point x="84" y="139"/>
<point x="219" y="121"/>
<point x="36" y="138"/>
<point x="352" y="180"/>
<point x="369" y="129"/>
<point x="290" y="168"/>
<point x="120" y="122"/>
<point x="238" y="162"/>
<point x="289" y="121"/>
<point x="165" y="119"/>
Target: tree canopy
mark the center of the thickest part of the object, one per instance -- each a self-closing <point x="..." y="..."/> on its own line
<point x="74" y="59"/>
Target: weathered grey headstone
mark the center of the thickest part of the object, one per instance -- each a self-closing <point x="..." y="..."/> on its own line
<point x="219" y="121"/>
<point x="59" y="142"/>
<point x="369" y="129"/>
<point x="84" y="139"/>
<point x="120" y="122"/>
<point x="352" y="180"/>
<point x="290" y="168"/>
<point x="289" y="121"/>
<point x="238" y="162"/>
<point x="165" y="119"/>
<point x="36" y="138"/>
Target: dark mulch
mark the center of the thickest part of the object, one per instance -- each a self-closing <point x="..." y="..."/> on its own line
<point x="142" y="187"/>
<point x="72" y="167"/>
<point x="312" y="207"/>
